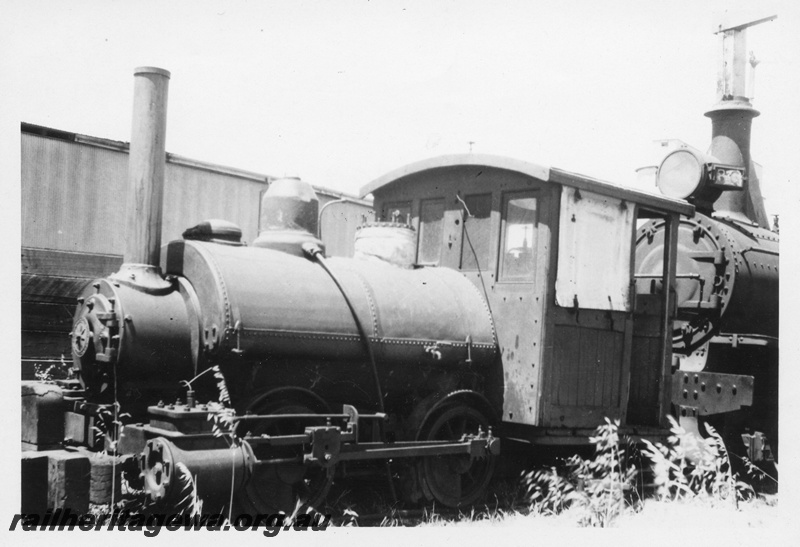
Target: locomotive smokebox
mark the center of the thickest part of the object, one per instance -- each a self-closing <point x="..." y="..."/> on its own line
<point x="289" y="216"/>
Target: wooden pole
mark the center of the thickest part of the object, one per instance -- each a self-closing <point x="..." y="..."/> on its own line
<point x="146" y="166"/>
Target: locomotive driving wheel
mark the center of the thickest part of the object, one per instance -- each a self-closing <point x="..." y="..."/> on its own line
<point x="455" y="480"/>
<point x="285" y="487"/>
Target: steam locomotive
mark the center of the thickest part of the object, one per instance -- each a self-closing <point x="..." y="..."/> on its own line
<point x="519" y="325"/>
<point x="493" y="299"/>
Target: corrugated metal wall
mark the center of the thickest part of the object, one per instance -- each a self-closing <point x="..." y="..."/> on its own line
<point x="338" y="226"/>
<point x="193" y="195"/>
<point x="73" y="197"/>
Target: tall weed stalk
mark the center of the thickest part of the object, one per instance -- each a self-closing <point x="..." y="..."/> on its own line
<point x="598" y="488"/>
<point x="693" y="467"/>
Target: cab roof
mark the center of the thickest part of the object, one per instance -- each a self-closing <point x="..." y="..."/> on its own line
<point x="548" y="174"/>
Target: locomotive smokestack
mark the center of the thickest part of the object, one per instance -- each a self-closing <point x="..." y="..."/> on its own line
<point x="731" y="124"/>
<point x="146" y="166"/>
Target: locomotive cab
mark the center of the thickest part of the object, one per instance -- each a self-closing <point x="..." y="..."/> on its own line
<point x="552" y="254"/>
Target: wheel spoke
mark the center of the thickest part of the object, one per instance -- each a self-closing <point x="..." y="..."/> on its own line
<point x="285" y="487"/>
<point x="456" y="481"/>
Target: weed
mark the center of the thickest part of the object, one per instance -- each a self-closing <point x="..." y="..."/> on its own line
<point x="190" y="504"/>
<point x="602" y="489"/>
<point x="757" y="473"/>
<point x="690" y="466"/>
<point x="598" y="488"/>
<point x="224" y="418"/>
<point x="49" y="373"/>
<point x="548" y="492"/>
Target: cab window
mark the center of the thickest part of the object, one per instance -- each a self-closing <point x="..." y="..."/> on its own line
<point x="518" y="256"/>
<point x="476" y="235"/>
<point x="431" y="215"/>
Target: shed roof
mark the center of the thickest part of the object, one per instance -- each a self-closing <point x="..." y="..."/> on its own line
<point x="547" y="174"/>
<point x="124" y="147"/>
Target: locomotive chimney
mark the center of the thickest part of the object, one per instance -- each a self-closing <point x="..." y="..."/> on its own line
<point x="731" y="123"/>
<point x="146" y="165"/>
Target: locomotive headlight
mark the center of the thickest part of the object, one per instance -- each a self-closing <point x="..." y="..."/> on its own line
<point x="680" y="173"/>
<point x="688" y="174"/>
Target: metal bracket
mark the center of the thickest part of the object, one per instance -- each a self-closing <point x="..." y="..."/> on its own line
<point x="237" y="328"/>
<point x="352" y="421"/>
<point x="736" y="340"/>
<point x="325" y="445"/>
<point x="717" y="257"/>
<point x="711" y="393"/>
<point x="758" y="450"/>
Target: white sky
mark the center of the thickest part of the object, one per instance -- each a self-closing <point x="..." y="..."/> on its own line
<point x="341" y="92"/>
